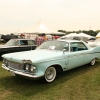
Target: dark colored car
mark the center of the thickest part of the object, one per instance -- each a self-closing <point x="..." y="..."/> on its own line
<point x="16" y="45"/>
<point x="6" y="38"/>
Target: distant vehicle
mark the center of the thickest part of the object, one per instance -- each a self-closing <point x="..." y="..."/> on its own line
<point x="56" y="37"/>
<point x="91" y="40"/>
<point x="74" y="38"/>
<point x="49" y="58"/>
<point x="6" y="38"/>
<point x="1" y="40"/>
<point x="94" y="43"/>
<point x="16" y="45"/>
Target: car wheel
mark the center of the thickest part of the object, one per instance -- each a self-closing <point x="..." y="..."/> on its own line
<point x="50" y="74"/>
<point x="92" y="62"/>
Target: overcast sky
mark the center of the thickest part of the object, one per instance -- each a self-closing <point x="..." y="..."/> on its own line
<point x="69" y="15"/>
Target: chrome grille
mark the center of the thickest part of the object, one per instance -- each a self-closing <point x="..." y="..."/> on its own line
<point x="15" y="65"/>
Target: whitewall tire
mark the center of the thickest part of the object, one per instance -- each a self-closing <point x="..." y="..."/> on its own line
<point x="50" y="74"/>
<point x="92" y="62"/>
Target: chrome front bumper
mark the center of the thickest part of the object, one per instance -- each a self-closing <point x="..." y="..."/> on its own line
<point x="21" y="73"/>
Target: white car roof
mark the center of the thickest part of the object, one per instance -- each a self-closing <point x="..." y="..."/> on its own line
<point x="70" y="40"/>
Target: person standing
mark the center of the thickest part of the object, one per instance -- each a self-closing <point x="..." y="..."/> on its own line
<point x="44" y="35"/>
<point x="40" y="39"/>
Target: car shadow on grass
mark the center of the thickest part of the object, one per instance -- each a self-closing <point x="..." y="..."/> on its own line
<point x="27" y="87"/>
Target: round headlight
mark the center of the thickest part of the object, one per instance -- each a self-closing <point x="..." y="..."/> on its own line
<point x="27" y="67"/>
<point x="5" y="62"/>
<point x="32" y="68"/>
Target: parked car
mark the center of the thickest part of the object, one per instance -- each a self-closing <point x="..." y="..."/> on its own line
<point x="94" y="43"/>
<point x="1" y="40"/>
<point x="6" y="38"/>
<point x="92" y="39"/>
<point x="56" y="37"/>
<point x="49" y="58"/>
<point x="15" y="45"/>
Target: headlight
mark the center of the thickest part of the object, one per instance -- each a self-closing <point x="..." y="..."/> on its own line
<point x="32" y="68"/>
<point x="29" y="67"/>
<point x="5" y="62"/>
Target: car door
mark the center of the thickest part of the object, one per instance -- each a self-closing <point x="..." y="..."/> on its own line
<point x="76" y="56"/>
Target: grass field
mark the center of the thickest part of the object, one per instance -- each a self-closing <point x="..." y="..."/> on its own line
<point x="82" y="83"/>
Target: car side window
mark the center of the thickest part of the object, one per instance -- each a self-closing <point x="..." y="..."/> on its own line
<point x="77" y="46"/>
<point x="31" y="42"/>
<point x="23" y="42"/>
<point x="73" y="47"/>
<point x="81" y="46"/>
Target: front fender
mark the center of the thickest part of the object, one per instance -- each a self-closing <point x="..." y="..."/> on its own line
<point x="41" y="67"/>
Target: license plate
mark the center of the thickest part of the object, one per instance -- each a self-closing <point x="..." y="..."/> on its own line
<point x="12" y="73"/>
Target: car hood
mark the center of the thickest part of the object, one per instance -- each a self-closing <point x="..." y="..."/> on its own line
<point x="35" y="55"/>
<point x="4" y="46"/>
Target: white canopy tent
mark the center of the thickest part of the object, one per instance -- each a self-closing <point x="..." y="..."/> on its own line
<point x="69" y="36"/>
<point x="80" y="36"/>
<point x="38" y="28"/>
<point x="41" y="28"/>
<point x="86" y="35"/>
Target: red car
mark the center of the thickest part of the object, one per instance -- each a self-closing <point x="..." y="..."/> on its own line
<point x="56" y="37"/>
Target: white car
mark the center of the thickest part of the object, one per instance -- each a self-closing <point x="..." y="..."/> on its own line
<point x="94" y="43"/>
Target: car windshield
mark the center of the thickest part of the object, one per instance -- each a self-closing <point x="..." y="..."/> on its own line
<point x="11" y="43"/>
<point x="54" y="45"/>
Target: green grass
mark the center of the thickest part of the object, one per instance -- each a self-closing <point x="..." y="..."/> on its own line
<point x="82" y="83"/>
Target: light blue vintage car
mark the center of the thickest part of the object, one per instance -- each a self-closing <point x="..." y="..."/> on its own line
<point x="50" y="58"/>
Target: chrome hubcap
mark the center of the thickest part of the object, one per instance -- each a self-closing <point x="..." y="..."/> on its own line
<point x="93" y="62"/>
<point x="50" y="74"/>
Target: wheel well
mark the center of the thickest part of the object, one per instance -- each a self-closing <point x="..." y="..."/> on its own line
<point x="58" y="68"/>
<point x="96" y="58"/>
